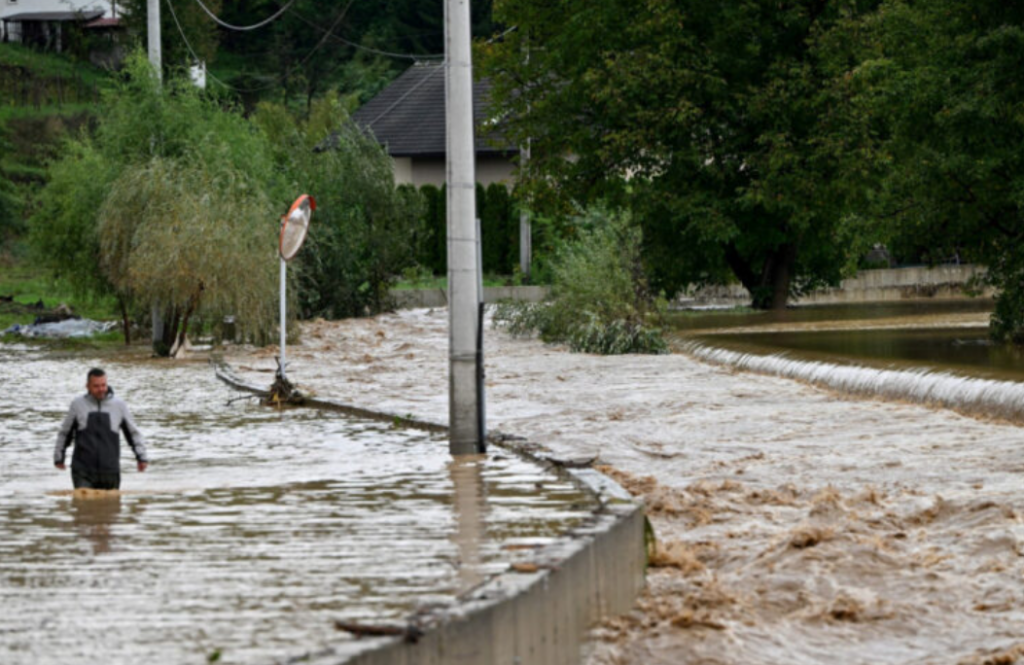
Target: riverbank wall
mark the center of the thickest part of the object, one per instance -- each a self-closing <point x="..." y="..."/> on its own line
<point x="947" y="282"/>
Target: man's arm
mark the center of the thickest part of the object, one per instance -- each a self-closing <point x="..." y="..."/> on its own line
<point x="65" y="437"/>
<point x="134" y="438"/>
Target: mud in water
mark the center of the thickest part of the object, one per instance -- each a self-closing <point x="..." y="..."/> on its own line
<point x="252" y="531"/>
<point x="794" y="525"/>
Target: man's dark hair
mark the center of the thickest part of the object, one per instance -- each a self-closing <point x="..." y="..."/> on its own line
<point x="95" y="371"/>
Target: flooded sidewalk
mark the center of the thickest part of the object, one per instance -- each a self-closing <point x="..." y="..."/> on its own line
<point x="253" y="530"/>
<point x="796" y="524"/>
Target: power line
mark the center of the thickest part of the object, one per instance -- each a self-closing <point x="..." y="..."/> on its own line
<point x="426" y="78"/>
<point x="309" y="55"/>
<point x="188" y="45"/>
<point x="243" y="28"/>
<point x="439" y="68"/>
<point x="389" y="54"/>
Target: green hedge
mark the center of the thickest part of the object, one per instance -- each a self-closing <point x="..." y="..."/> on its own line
<point x="499" y="229"/>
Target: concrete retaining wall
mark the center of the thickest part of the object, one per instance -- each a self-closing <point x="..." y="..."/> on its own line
<point x="536" y="618"/>
<point x="531" y="617"/>
<point x="940" y="283"/>
<point x="886" y="285"/>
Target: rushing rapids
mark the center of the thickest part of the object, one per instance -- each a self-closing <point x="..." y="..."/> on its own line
<point x="794" y="525"/>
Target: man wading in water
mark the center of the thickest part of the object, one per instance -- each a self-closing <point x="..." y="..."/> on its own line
<point x="94" y="424"/>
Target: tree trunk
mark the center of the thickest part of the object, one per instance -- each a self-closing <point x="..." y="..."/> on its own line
<point x="781" y="276"/>
<point x="162" y="347"/>
<point x="125" y="323"/>
<point x="768" y="287"/>
<point x="190" y="308"/>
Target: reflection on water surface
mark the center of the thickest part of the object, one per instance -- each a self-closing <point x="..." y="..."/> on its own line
<point x="948" y="336"/>
<point x="251" y="532"/>
<point x="870" y="312"/>
<point x="959" y="350"/>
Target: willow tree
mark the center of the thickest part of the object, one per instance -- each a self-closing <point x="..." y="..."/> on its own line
<point x="198" y="240"/>
<point x="142" y="126"/>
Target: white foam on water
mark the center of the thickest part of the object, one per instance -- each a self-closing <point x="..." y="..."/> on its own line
<point x="975" y="396"/>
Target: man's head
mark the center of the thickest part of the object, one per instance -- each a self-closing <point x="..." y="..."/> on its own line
<point x="96" y="383"/>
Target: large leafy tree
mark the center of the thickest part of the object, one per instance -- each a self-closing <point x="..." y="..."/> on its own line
<point x="720" y="124"/>
<point x="942" y="84"/>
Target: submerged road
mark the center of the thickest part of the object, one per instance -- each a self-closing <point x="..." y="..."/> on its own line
<point x="253" y="529"/>
<point x="796" y="524"/>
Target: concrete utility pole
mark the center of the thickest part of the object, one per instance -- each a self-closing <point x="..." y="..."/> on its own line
<point x="525" y="231"/>
<point x="153" y="42"/>
<point x="467" y="429"/>
<point x="153" y="35"/>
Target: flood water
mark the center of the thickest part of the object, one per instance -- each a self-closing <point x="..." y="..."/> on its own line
<point x="945" y="335"/>
<point x="935" y="353"/>
<point x="252" y="530"/>
<point x="882" y="313"/>
<point x="965" y="351"/>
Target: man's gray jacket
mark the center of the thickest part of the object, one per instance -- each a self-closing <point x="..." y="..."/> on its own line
<point x="94" y="427"/>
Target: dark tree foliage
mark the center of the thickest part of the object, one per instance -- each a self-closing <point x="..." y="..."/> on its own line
<point x="364" y="231"/>
<point x="433" y="254"/>
<point x="320" y="45"/>
<point x="201" y="32"/>
<point x="942" y="83"/>
<point x="499" y="231"/>
<point x="714" y="122"/>
<point x="11" y="224"/>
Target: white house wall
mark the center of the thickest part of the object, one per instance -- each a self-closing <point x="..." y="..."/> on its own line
<point x="420" y="171"/>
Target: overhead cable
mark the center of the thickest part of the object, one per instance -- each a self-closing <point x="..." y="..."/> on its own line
<point x="243" y="28"/>
<point x="426" y="78"/>
<point x="389" y="54"/>
<point x="188" y="45"/>
<point x="277" y="79"/>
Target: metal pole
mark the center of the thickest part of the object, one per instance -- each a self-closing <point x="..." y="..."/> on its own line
<point x="284" y="322"/>
<point x="465" y="354"/>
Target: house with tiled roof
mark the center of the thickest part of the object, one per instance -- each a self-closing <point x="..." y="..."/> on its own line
<point x="408" y="119"/>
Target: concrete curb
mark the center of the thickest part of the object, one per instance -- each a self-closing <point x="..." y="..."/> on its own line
<point x="533" y="617"/>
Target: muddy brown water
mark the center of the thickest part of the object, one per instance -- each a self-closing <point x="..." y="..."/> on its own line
<point x="253" y="529"/>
